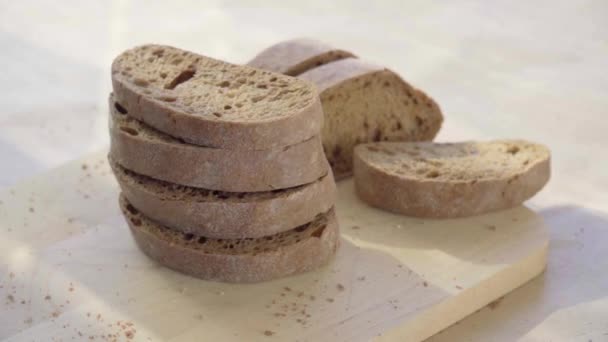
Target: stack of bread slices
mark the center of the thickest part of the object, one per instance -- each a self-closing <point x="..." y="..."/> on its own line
<point x="221" y="167"/>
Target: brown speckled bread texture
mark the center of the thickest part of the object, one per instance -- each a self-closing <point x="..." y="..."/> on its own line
<point x="442" y="180"/>
<point x="149" y="152"/>
<point x="363" y="103"/>
<point x="293" y="57"/>
<point x="236" y="260"/>
<point x="226" y="215"/>
<point x="213" y="103"/>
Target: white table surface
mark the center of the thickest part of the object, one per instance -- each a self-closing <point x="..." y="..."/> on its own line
<point x="535" y="70"/>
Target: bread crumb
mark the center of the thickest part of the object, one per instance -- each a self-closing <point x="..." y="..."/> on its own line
<point x="458" y="287"/>
<point x="330" y="300"/>
<point x="340" y="287"/>
<point x="312" y="297"/>
<point x="425" y="284"/>
<point x="55" y="313"/>
<point x="287" y="288"/>
<point x="355" y="227"/>
<point x="29" y="320"/>
<point x="362" y="278"/>
<point x="268" y="332"/>
<point x="31" y="209"/>
<point x="491" y="227"/>
<point x="47" y="297"/>
<point x="84" y="166"/>
<point x="10" y="298"/>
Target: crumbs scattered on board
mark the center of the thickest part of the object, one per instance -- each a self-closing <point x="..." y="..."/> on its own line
<point x="268" y="332"/>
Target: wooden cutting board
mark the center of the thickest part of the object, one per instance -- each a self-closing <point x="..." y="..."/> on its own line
<point x="69" y="270"/>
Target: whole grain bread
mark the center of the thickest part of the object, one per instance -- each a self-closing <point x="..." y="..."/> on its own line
<point x="149" y="152"/>
<point x="293" y="57"/>
<point x="366" y="103"/>
<point x="213" y="103"/>
<point x="226" y="215"/>
<point x="248" y="260"/>
<point x="441" y="180"/>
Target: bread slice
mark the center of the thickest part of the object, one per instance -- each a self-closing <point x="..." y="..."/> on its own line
<point x="236" y="260"/>
<point x="147" y="151"/>
<point x="293" y="57"/>
<point x="228" y="215"/>
<point x="213" y="103"/>
<point x="365" y="103"/>
<point x="443" y="180"/>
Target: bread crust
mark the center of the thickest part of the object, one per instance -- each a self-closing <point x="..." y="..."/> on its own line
<point x="408" y="195"/>
<point x="139" y="148"/>
<point x="149" y="104"/>
<point x="269" y="263"/>
<point x="295" y="56"/>
<point x="226" y="215"/>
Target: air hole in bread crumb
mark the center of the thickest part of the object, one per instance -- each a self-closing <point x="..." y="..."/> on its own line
<point x="158" y="52"/>
<point x="217" y="114"/>
<point x="129" y="130"/>
<point x="513" y="150"/>
<point x="120" y="108"/>
<point x="377" y="135"/>
<point x="136" y="222"/>
<point x="300" y="228"/>
<point x="257" y="99"/>
<point x="272" y="79"/>
<point x="177" y="61"/>
<point x="188" y="236"/>
<point x="202" y="239"/>
<point x="140" y="82"/>
<point x="373" y="149"/>
<point x="419" y="121"/>
<point x="227" y="107"/>
<point x="262" y="86"/>
<point x="526" y="162"/>
<point x="183" y="77"/>
<point x="224" y="84"/>
<point x="317" y="233"/>
<point x="432" y="174"/>
<point x="132" y="209"/>
<point x="168" y="98"/>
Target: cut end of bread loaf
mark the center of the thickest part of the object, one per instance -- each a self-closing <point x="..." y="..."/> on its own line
<point x="450" y="180"/>
<point x="211" y="89"/>
<point x="367" y="103"/>
<point x="295" y="56"/>
<point x="236" y="260"/>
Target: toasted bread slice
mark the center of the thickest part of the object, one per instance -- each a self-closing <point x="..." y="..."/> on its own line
<point x="213" y="103"/>
<point x="450" y="180"/>
<point x="301" y="249"/>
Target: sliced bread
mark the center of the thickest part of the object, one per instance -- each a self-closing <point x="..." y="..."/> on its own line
<point x="213" y="103"/>
<point x="149" y="152"/>
<point x="227" y="215"/>
<point x="236" y="260"/>
<point x="293" y="57"/>
<point x="450" y="180"/>
<point x="365" y="103"/>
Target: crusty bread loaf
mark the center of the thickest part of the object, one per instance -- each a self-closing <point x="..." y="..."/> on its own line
<point x="149" y="152"/>
<point x="293" y="57"/>
<point x="213" y="103"/>
<point x="449" y="180"/>
<point x="364" y="103"/>
<point x="236" y="260"/>
<point x="226" y="215"/>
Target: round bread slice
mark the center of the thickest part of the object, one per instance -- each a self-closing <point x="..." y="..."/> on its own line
<point x="213" y="103"/>
<point x="366" y="103"/>
<point x="301" y="249"/>
<point x="149" y="152"/>
<point x="450" y="180"/>
<point x="227" y="215"/>
<point x="293" y="57"/>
